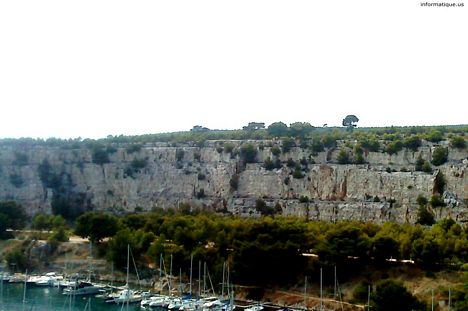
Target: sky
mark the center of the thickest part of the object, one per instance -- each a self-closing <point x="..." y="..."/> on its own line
<point x="90" y="69"/>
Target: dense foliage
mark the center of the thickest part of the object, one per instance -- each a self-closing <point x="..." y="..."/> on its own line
<point x="256" y="247"/>
<point x="367" y="137"/>
<point x="12" y="216"/>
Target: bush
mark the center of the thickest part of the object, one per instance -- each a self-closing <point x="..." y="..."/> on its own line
<point x="394" y="147"/>
<point x="21" y="159"/>
<point x="457" y="142"/>
<point x="249" y="153"/>
<point x="303" y="199"/>
<point x="201" y="193"/>
<point x="228" y="148"/>
<point x="179" y="154"/>
<point x="439" y="183"/>
<point x="425" y="217"/>
<point x="100" y="156"/>
<point x="439" y="155"/>
<point x="412" y="143"/>
<point x="268" y="164"/>
<point x="16" y="180"/>
<point x="434" y="136"/>
<point x="427" y="168"/>
<point x="16" y="257"/>
<point x="437" y="201"/>
<point x="133" y="148"/>
<point x="317" y="146"/>
<point x="138" y="164"/>
<point x="297" y="174"/>
<point x="286" y="144"/>
<point x="234" y="182"/>
<point x="343" y="157"/>
<point x="391" y="295"/>
<point x="421" y="200"/>
<point x="201" y="176"/>
<point x="276" y="151"/>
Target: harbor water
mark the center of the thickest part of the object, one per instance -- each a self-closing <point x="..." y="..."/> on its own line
<point x="51" y="299"/>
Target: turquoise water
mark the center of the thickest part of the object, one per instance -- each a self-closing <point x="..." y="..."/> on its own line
<point x="51" y="299"/>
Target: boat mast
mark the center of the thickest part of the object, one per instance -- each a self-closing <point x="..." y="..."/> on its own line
<point x="334" y="291"/>
<point x="368" y="297"/>
<point x="432" y="300"/>
<point x="321" y="297"/>
<point x="204" y="278"/>
<point x="199" y="278"/>
<point x="191" y="266"/>
<point x="170" y="277"/>
<point x="305" y="292"/>
<point x="222" y="284"/>
<point x="24" y="288"/>
<point x="128" y="275"/>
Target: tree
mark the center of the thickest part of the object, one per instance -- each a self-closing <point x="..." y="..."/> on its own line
<point x="286" y="144"/>
<point x="412" y="143"/>
<point x="249" y="153"/>
<point x="343" y="157"/>
<point x="457" y="142"/>
<point x="254" y="126"/>
<point x="425" y="217"/>
<point x="277" y="129"/>
<point x="350" y="121"/>
<point x="439" y="155"/>
<point x="12" y="216"/>
<point x="392" y="295"/>
<point x="96" y="226"/>
<point x="300" y="129"/>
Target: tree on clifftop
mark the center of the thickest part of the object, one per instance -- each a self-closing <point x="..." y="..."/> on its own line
<point x="350" y="121"/>
<point x="278" y="129"/>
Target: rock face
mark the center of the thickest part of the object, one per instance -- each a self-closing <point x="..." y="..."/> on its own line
<point x="303" y="183"/>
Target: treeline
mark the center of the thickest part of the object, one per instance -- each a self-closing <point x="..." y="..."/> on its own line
<point x="275" y="250"/>
<point x="254" y="131"/>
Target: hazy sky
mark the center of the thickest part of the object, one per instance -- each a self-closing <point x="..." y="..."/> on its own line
<point x="94" y="68"/>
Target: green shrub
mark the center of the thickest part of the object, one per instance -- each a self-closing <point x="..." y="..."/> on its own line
<point x="303" y="199"/>
<point x="228" y="147"/>
<point x="286" y="144"/>
<point x="427" y="168"/>
<point x="16" y="180"/>
<point x="421" y="200"/>
<point x="394" y="147"/>
<point x="412" y="143"/>
<point x="439" y="155"/>
<point x="343" y="157"/>
<point x="100" y="156"/>
<point x="297" y="174"/>
<point x="234" y="182"/>
<point x="201" y="176"/>
<point x="201" y="193"/>
<point x="276" y="151"/>
<point x="268" y="164"/>
<point x="457" y="142"/>
<point x="179" y="154"/>
<point x="249" y="153"/>
<point x="425" y="217"/>
<point x="138" y="164"/>
<point x="434" y="136"/>
<point x="21" y="159"/>
<point x="133" y="148"/>
<point x="290" y="163"/>
<point x="437" y="201"/>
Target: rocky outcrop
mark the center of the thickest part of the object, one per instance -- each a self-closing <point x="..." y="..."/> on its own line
<point x="302" y="183"/>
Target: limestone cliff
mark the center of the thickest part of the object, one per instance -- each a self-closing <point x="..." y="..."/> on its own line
<point x="214" y="176"/>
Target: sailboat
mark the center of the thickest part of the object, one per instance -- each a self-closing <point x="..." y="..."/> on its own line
<point x="128" y="295"/>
